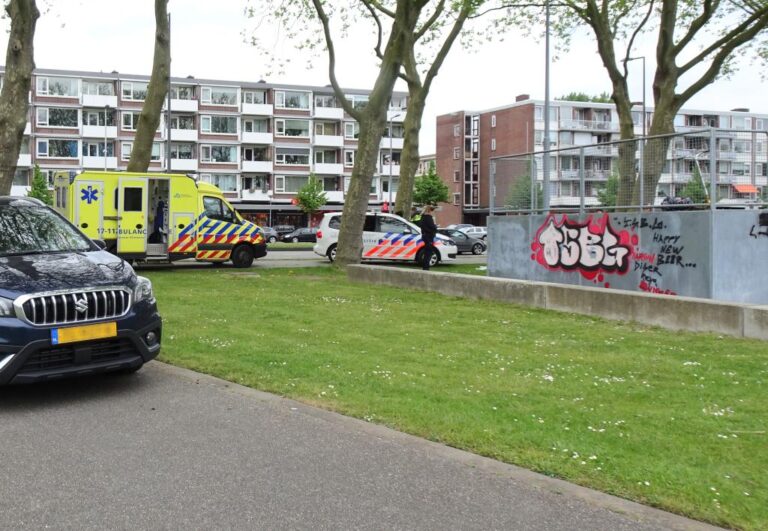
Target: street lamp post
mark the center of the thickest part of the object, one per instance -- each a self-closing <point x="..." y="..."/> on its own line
<point x="389" y="182"/>
<point x="106" y="111"/>
<point x="545" y="165"/>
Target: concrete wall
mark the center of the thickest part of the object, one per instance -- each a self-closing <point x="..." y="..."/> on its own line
<point x="676" y="313"/>
<point x="719" y="255"/>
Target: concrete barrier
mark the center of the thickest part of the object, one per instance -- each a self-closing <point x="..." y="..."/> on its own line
<point x="675" y="313"/>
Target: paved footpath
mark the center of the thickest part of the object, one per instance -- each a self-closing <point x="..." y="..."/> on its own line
<point x="172" y="449"/>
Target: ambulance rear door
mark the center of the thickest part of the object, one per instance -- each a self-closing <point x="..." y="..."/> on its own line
<point x="132" y="216"/>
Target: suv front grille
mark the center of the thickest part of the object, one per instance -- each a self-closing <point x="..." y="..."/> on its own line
<point x="67" y="356"/>
<point x="63" y="308"/>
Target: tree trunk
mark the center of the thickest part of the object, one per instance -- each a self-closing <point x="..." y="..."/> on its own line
<point x="409" y="158"/>
<point x="14" y="100"/>
<point x="156" y="92"/>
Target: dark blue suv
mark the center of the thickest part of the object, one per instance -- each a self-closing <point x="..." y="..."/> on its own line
<point x="67" y="307"/>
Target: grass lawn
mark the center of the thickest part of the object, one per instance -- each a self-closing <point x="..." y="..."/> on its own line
<point x="670" y="419"/>
<point x="283" y="246"/>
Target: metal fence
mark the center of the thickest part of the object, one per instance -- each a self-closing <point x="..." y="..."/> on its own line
<point x="667" y="172"/>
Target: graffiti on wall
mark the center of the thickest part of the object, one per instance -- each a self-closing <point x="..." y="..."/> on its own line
<point x="592" y="247"/>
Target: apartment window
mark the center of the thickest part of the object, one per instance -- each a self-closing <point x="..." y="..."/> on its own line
<point x="57" y="86"/>
<point x="290" y="184"/>
<point x="254" y="96"/>
<point x="134" y="91"/>
<point x="293" y="128"/>
<point x="741" y="122"/>
<point x="226" y="182"/>
<point x="183" y="151"/>
<point x="256" y="182"/>
<point x="183" y="122"/>
<point x="251" y="154"/>
<point x="292" y="156"/>
<point x="59" y="149"/>
<point x="351" y="130"/>
<point x="493" y="144"/>
<point x="125" y="150"/>
<point x="398" y="131"/>
<point x="288" y="99"/>
<point x="759" y="124"/>
<point x="224" y="154"/>
<point x="96" y="149"/>
<point x="325" y="128"/>
<point x="223" y="125"/>
<point x="157" y="151"/>
<point x="456" y="130"/>
<point x="255" y="126"/>
<point x="349" y="158"/>
<point x="538" y="113"/>
<point x="182" y="93"/>
<point x="742" y="146"/>
<point x="330" y="184"/>
<point x="98" y="88"/>
<point x="739" y="168"/>
<point x="323" y="100"/>
<point x="130" y="121"/>
<point x="358" y="101"/>
<point x="97" y="118"/>
<point x="21" y="178"/>
<point x="53" y="117"/>
<point x="398" y="103"/>
<point x="386" y="159"/>
<point x="456" y="153"/>
<point x="456" y="199"/>
<point x="219" y="95"/>
<point x="326" y="156"/>
<point x="456" y="176"/>
<point x="493" y="120"/>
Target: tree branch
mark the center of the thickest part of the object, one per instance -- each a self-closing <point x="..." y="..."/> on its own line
<point x="372" y="10"/>
<point x="696" y="25"/>
<point x="428" y="24"/>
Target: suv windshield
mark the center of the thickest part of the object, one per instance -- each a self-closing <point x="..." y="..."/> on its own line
<point x="36" y="229"/>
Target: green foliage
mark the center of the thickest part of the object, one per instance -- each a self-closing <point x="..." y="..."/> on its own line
<point x="609" y="192"/>
<point x="39" y="189"/>
<point x="519" y="197"/>
<point x="311" y="196"/>
<point x="603" y="97"/>
<point x="695" y="189"/>
<point x="429" y="189"/>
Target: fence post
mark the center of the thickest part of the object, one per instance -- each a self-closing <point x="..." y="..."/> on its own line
<point x="582" y="185"/>
<point x="492" y="189"/>
<point x="641" y="167"/>
<point x="712" y="169"/>
<point x="534" y="184"/>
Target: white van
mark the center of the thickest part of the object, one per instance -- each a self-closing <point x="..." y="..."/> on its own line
<point x="385" y="237"/>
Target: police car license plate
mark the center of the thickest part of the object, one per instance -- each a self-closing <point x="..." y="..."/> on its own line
<point x="83" y="333"/>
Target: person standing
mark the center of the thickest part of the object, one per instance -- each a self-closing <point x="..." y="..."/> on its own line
<point x="428" y="233"/>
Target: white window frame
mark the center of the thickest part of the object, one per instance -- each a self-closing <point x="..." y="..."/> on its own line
<point x="134" y="121"/>
<point x="42" y="82"/>
<point x="347" y="164"/>
<point x="456" y="153"/>
<point x="125" y="150"/>
<point x="280" y="183"/>
<point x="456" y="176"/>
<point x="206" y="95"/>
<point x="40" y="110"/>
<point x="493" y="144"/>
<point x="493" y="120"/>
<point x="347" y="135"/>
<point x="456" y="198"/>
<point x="456" y="130"/>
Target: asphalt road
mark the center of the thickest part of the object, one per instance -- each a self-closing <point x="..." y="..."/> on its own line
<point x="170" y="449"/>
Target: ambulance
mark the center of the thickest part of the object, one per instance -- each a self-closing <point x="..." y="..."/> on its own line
<point x="157" y="217"/>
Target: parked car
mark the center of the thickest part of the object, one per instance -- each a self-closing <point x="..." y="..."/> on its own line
<point x="282" y="230"/>
<point x="301" y="235"/>
<point x="67" y="307"/>
<point x="464" y="243"/>
<point x="481" y="233"/>
<point x="385" y="237"/>
<point x="270" y="234"/>
<point x="459" y="226"/>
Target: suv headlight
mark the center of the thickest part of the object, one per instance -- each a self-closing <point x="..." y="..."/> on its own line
<point x="6" y="308"/>
<point x="143" y="290"/>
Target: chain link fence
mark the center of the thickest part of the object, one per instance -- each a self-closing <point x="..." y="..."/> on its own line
<point x="667" y="172"/>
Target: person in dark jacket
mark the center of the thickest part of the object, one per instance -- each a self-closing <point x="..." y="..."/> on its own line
<point x="428" y="232"/>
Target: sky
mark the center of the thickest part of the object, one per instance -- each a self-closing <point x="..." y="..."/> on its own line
<point x="207" y="43"/>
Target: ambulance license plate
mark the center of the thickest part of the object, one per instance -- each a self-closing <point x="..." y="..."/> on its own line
<point x="83" y="333"/>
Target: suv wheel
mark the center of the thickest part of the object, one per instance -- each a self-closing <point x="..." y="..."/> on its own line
<point x="242" y="256"/>
<point x="295" y="240"/>
<point x="477" y="248"/>
<point x="331" y="254"/>
<point x="272" y="239"/>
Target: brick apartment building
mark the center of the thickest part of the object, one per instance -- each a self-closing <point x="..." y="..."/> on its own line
<point x="257" y="141"/>
<point x="466" y="141"/>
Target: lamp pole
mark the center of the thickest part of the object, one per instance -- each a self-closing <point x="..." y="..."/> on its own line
<point x="106" y="111"/>
<point x="545" y="165"/>
<point x="389" y="182"/>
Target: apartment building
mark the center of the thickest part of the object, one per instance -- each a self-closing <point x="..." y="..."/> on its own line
<point x="467" y="141"/>
<point x="257" y="141"/>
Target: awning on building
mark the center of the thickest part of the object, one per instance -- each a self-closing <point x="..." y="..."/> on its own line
<point x="745" y="188"/>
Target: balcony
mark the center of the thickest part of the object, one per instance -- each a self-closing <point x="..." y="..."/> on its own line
<point x="329" y="141"/>
<point x="572" y="201"/>
<point x="28" y="129"/>
<point x="589" y="125"/>
<point x="260" y="166"/>
<point x="260" y="109"/>
<point x="98" y="162"/>
<point x="183" y="135"/>
<point x="397" y="116"/>
<point x="390" y="169"/>
<point x="255" y="138"/>
<point x="329" y="168"/>
<point x="254" y="195"/>
<point x="98" y="100"/>
<point x="25" y="160"/>
<point x="589" y="175"/>
<point x="334" y="197"/>
<point x="397" y="143"/>
<point x="331" y="113"/>
<point x="98" y="131"/>
<point x="183" y="105"/>
<point x="184" y="164"/>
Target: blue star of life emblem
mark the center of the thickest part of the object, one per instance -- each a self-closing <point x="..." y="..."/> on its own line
<point x="89" y="195"/>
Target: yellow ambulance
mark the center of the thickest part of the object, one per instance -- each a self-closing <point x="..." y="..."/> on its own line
<point x="157" y="217"/>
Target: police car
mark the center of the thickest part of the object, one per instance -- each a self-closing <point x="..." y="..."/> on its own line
<point x="385" y="237"/>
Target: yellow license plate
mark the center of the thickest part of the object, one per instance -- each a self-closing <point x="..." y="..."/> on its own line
<point x="83" y="333"/>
